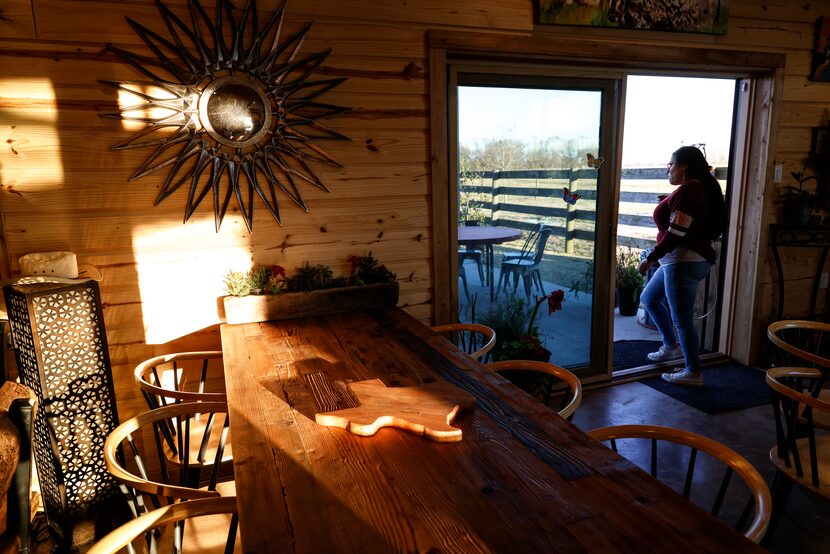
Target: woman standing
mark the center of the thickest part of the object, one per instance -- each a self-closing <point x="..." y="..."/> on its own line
<point x="687" y="221"/>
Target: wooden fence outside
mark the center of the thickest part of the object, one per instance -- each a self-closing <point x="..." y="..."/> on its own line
<point x="521" y="198"/>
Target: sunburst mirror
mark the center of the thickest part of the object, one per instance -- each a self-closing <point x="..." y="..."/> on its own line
<point x="230" y="108"/>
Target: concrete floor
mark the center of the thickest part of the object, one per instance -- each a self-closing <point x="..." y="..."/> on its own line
<point x="565" y="333"/>
<point x="805" y="525"/>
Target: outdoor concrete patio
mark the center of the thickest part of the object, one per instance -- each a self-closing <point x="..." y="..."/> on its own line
<point x="566" y="333"/>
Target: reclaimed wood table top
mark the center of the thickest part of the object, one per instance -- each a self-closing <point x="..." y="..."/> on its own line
<point x="522" y="479"/>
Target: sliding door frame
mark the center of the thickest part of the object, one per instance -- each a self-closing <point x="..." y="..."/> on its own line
<point x="588" y="58"/>
<point x="472" y="73"/>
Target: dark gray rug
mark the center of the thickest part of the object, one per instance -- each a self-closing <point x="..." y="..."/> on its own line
<point x="632" y="353"/>
<point x="730" y="386"/>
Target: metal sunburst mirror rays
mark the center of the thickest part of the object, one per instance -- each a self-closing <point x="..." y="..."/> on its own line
<point x="230" y="109"/>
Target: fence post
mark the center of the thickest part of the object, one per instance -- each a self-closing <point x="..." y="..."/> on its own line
<point x="570" y="218"/>
<point x="493" y="197"/>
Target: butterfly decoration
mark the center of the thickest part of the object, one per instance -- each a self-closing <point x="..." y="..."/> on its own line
<point x="570" y="197"/>
<point x="594" y="162"/>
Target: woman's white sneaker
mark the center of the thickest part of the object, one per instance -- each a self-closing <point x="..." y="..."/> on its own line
<point x="684" y="377"/>
<point x="666" y="353"/>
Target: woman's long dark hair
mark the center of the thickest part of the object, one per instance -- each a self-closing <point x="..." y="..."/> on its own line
<point x="698" y="168"/>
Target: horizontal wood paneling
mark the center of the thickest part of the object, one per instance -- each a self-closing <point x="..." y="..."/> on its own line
<point x="62" y="188"/>
<point x="17" y="19"/>
<point x="97" y="19"/>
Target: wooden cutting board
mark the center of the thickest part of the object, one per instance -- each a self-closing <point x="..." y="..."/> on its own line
<point x="426" y="410"/>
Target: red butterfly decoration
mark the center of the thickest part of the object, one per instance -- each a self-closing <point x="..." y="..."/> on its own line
<point x="570" y="197"/>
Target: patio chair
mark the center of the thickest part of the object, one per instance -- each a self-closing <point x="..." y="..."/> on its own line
<point x="462" y="274"/>
<point x="474" y="339"/>
<point x="211" y="527"/>
<point x="570" y="400"/>
<point x="735" y="463"/>
<point x="526" y="264"/>
<point x="473" y="252"/>
<point x="801" y="454"/>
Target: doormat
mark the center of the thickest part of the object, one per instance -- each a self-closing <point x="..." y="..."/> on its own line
<point x="632" y="353"/>
<point x="730" y="386"/>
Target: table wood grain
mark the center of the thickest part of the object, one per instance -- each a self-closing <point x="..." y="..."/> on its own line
<point x="521" y="480"/>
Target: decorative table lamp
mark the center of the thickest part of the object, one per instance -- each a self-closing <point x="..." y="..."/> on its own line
<point x="61" y="351"/>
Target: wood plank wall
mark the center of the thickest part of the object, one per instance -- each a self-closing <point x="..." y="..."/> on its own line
<point x="61" y="188"/>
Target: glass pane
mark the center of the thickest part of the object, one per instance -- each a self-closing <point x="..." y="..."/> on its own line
<point x="698" y="112"/>
<point x="527" y="199"/>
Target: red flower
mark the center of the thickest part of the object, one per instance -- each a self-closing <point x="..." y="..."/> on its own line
<point x="278" y="271"/>
<point x="555" y="301"/>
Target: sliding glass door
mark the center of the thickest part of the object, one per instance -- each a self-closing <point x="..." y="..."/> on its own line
<point x="534" y="172"/>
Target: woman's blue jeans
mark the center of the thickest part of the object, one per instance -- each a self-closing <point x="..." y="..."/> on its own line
<point x="669" y="298"/>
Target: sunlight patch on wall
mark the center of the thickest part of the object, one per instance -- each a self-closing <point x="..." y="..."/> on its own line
<point x="180" y="287"/>
<point x="133" y="105"/>
<point x="30" y="156"/>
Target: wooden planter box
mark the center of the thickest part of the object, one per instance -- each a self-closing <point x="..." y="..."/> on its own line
<point x="289" y="305"/>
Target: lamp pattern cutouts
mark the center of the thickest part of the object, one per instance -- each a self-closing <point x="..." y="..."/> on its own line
<point x="62" y="356"/>
<point x="230" y="109"/>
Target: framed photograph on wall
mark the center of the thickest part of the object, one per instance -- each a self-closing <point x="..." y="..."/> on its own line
<point x="680" y="16"/>
<point x="821" y="55"/>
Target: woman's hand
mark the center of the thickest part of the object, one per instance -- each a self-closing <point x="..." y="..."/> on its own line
<point x="643" y="267"/>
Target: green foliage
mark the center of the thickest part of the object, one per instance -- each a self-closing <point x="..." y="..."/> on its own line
<point x="510" y="319"/>
<point x="237" y="283"/>
<point x="585" y="282"/>
<point x="797" y="195"/>
<point x="313" y="277"/>
<point x="470" y="203"/>
<point x="271" y="279"/>
<point x="366" y="270"/>
<point x="627" y="276"/>
<point x="259" y="277"/>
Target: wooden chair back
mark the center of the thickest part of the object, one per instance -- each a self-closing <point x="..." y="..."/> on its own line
<point x="181" y="377"/>
<point x="735" y="463"/>
<point x="157" y="453"/>
<point x="474" y="339"/>
<point x="163" y="529"/>
<point x="801" y="343"/>
<point x="570" y="400"/>
<point x="802" y="452"/>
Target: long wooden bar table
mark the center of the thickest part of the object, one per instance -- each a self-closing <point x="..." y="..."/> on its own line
<point x="522" y="479"/>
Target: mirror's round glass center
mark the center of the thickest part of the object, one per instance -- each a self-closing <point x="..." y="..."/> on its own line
<point x="236" y="111"/>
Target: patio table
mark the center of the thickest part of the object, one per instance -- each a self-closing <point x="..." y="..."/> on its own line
<point x="521" y="479"/>
<point x="488" y="236"/>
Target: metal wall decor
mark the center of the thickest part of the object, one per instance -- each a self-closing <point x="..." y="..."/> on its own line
<point x="230" y="108"/>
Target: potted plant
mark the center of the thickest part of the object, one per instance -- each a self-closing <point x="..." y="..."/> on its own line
<point x="518" y="338"/>
<point x="797" y="203"/>
<point x="266" y="293"/>
<point x="629" y="282"/>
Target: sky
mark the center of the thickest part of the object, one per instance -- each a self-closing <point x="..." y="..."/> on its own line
<point x="661" y="114"/>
